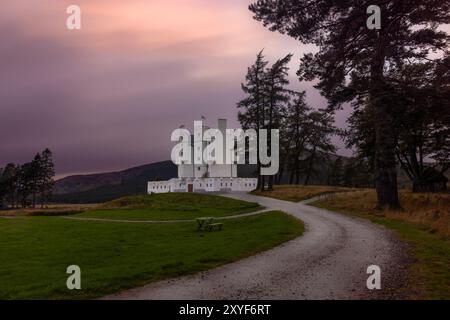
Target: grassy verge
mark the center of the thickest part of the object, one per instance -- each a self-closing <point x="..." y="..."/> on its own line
<point x="423" y="223"/>
<point x="48" y="210"/>
<point x="298" y="193"/>
<point x="170" y="206"/>
<point x="35" y="251"/>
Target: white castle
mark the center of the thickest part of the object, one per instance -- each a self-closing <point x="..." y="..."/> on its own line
<point x="206" y="177"/>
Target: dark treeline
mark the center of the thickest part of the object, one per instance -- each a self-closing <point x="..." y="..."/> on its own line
<point x="396" y="78"/>
<point x="305" y="135"/>
<point x="27" y="184"/>
<point x="420" y="93"/>
<point x="350" y="172"/>
<point x="422" y="128"/>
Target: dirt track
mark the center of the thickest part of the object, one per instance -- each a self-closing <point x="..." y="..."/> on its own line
<point x="328" y="262"/>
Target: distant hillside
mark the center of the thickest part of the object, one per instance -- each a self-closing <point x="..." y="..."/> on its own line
<point x="102" y="187"/>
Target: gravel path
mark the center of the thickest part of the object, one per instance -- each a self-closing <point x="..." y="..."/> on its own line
<point x="328" y="262"/>
<point x="241" y="215"/>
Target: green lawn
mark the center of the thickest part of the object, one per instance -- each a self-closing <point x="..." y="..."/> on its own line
<point x="35" y="251"/>
<point x="170" y="206"/>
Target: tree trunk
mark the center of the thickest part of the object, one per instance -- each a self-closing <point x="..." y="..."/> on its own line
<point x="385" y="164"/>
<point x="270" y="185"/>
<point x="34" y="199"/>
<point x="297" y="171"/>
<point x="280" y="175"/>
<point x="42" y="200"/>
<point x="258" y="186"/>
<point x="291" y="178"/>
<point x="385" y="142"/>
<point x="310" y="165"/>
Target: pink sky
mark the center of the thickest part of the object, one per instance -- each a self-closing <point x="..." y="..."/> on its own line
<point x="108" y="96"/>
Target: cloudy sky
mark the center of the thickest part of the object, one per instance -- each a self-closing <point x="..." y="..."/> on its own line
<point x="108" y="96"/>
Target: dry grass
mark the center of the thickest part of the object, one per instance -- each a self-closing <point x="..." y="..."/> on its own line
<point x="298" y="193"/>
<point x="429" y="211"/>
<point x="50" y="210"/>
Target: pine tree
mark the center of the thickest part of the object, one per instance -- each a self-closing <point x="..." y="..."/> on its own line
<point x="319" y="143"/>
<point x="424" y="128"/>
<point x="9" y="182"/>
<point x="2" y="190"/>
<point x="47" y="173"/>
<point x="34" y="175"/>
<point x="422" y="95"/>
<point x="296" y="135"/>
<point x="352" y="60"/>
<point x="266" y="98"/>
<point x="25" y="185"/>
<point x="252" y="107"/>
<point x="277" y="97"/>
<point x="336" y="172"/>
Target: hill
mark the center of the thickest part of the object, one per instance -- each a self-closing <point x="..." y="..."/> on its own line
<point x="101" y="187"/>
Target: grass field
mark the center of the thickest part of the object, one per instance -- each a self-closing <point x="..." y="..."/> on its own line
<point x="424" y="223"/>
<point x="35" y="251"/>
<point x="298" y="193"/>
<point x="170" y="206"/>
<point x="48" y="210"/>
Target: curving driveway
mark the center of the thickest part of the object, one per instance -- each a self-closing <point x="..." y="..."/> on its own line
<point x="328" y="262"/>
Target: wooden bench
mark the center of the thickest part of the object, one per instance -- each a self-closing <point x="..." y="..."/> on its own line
<point x="207" y="224"/>
<point x="214" y="226"/>
<point x="204" y="222"/>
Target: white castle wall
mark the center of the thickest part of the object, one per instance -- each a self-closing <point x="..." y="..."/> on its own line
<point x="209" y="177"/>
<point x="203" y="185"/>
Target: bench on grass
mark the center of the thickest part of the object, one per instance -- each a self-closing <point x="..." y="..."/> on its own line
<point x="207" y="224"/>
<point x="214" y="226"/>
